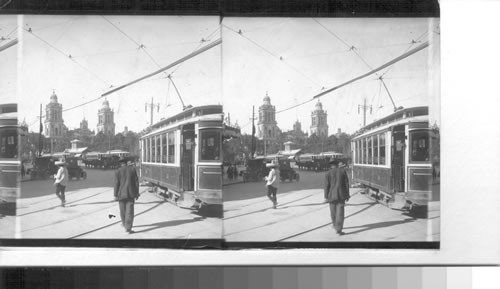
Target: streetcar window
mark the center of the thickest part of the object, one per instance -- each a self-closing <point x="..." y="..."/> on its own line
<point x="382" y="149"/>
<point x="143" y="153"/>
<point x="8" y="142"/>
<point x="210" y="145"/>
<point x="158" y="148"/>
<point x="375" y="150"/>
<point x="164" y="152"/>
<point x="171" y="148"/>
<point x="419" y="146"/>
<point x="149" y="149"/>
<point x="365" y="150"/>
<point x="370" y="149"/>
<point x="153" y="149"/>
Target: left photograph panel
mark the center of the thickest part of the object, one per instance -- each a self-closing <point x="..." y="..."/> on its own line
<point x="9" y="129"/>
<point x="124" y="128"/>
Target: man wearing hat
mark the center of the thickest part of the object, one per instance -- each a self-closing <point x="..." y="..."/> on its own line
<point x="336" y="194"/>
<point x="272" y="183"/>
<point x="126" y="191"/>
<point x="61" y="179"/>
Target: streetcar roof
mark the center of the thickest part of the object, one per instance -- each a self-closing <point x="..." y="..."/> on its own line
<point x="189" y="113"/>
<point x="415" y="119"/>
<point x="407" y="115"/>
<point x="208" y="117"/>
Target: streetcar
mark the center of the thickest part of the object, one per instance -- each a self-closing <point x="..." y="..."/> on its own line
<point x="317" y="162"/>
<point x="10" y="164"/>
<point x="393" y="159"/>
<point x="181" y="157"/>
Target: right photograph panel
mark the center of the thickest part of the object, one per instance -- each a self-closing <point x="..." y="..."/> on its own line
<point x="336" y="137"/>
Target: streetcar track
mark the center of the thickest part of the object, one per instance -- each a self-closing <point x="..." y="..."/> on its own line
<point x="56" y="206"/>
<point x="135" y="215"/>
<point x="267" y="208"/>
<point x="275" y="222"/>
<point x="295" y="216"/>
<point x="75" y="217"/>
<point x="53" y="197"/>
<point x="114" y="223"/>
<point x="327" y="224"/>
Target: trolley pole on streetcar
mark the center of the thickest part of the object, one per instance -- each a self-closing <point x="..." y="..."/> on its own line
<point x="152" y="105"/>
<point x="365" y="108"/>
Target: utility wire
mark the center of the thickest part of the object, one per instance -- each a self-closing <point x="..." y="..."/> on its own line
<point x="391" y="62"/>
<point x="272" y="54"/>
<point x="6" y="37"/>
<point x="207" y="39"/>
<point x="139" y="46"/>
<point x="67" y="56"/>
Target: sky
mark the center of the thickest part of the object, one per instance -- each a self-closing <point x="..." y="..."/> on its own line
<point x="105" y="51"/>
<point x="292" y="59"/>
<point x="8" y="59"/>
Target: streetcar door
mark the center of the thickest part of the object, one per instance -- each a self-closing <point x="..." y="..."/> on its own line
<point x="398" y="158"/>
<point x="187" y="161"/>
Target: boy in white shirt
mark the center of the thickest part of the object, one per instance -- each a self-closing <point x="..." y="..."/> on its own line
<point x="272" y="183"/>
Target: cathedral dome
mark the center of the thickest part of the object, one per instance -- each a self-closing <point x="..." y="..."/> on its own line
<point x="267" y="99"/>
<point x="53" y="97"/>
<point x="319" y="106"/>
<point x="105" y="104"/>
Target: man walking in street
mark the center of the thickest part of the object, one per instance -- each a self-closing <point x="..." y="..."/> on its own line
<point x="126" y="191"/>
<point x="61" y="179"/>
<point x="336" y="194"/>
<point x="272" y="183"/>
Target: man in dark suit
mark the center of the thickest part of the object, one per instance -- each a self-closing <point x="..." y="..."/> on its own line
<point x="336" y="194"/>
<point x="126" y="192"/>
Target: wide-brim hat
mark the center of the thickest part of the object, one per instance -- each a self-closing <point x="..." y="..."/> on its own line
<point x="334" y="162"/>
<point x="60" y="163"/>
<point x="123" y="160"/>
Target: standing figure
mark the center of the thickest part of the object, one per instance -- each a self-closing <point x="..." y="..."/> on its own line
<point x="336" y="194"/>
<point x="235" y="172"/>
<point x="272" y="183"/>
<point x="61" y="179"/>
<point x="126" y="191"/>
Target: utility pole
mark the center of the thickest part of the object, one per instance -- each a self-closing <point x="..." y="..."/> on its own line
<point x="252" y="149"/>
<point x="40" y="145"/>
<point x="365" y="108"/>
<point x="152" y="105"/>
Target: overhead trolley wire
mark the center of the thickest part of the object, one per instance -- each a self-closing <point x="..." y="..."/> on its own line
<point x="67" y="56"/>
<point x="211" y="45"/>
<point x="6" y="37"/>
<point x="354" y="49"/>
<point x="387" y="64"/>
<point x="273" y="55"/>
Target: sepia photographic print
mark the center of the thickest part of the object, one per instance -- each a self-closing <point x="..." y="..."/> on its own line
<point x="339" y="141"/>
<point x="123" y="118"/>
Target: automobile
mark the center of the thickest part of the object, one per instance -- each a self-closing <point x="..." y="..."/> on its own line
<point x="287" y="172"/>
<point x="74" y="169"/>
<point x="43" y="167"/>
<point x="255" y="170"/>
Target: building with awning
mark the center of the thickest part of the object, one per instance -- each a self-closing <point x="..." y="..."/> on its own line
<point x="77" y="152"/>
